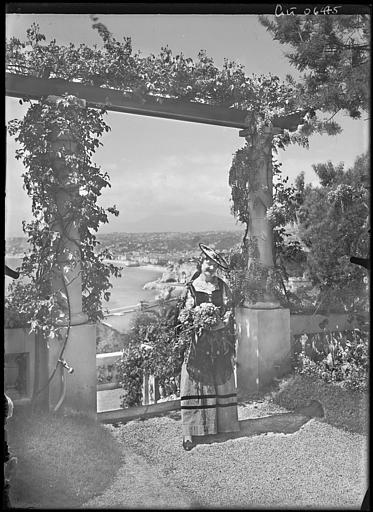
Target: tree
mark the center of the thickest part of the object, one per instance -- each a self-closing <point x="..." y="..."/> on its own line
<point x="287" y="198"/>
<point x="332" y="52"/>
<point x="333" y="224"/>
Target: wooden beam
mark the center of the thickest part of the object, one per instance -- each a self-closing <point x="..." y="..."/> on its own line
<point x="140" y="411"/>
<point x="19" y="86"/>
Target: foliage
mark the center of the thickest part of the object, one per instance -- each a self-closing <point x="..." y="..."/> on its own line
<point x="114" y="64"/>
<point x="51" y="168"/>
<point x="332" y="52"/>
<point x="334" y="225"/>
<point x="244" y="178"/>
<point x="287" y="251"/>
<point x="338" y="357"/>
<point x="102" y="376"/>
<point x="130" y="373"/>
<point x="248" y="284"/>
<point x="308" y="35"/>
<point x="331" y="221"/>
<point x="154" y="349"/>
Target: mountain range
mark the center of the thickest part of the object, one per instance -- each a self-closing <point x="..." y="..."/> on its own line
<point x="174" y="222"/>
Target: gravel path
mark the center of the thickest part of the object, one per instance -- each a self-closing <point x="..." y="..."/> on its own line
<point x="141" y="485"/>
<point x="318" y="466"/>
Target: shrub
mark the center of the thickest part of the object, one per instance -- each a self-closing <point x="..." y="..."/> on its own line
<point x="338" y="357"/>
<point x="153" y="348"/>
<point x="130" y="371"/>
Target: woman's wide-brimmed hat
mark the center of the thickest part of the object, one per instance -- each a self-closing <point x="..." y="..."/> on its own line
<point x="214" y="256"/>
<point x="11" y="273"/>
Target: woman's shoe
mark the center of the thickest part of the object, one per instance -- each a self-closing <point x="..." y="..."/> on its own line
<point x="188" y="445"/>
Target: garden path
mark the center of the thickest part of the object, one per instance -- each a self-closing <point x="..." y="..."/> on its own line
<point x="279" y="459"/>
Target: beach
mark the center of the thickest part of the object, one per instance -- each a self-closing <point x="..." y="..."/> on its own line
<point x="147" y="266"/>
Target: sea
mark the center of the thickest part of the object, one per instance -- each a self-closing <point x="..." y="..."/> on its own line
<point x="127" y="290"/>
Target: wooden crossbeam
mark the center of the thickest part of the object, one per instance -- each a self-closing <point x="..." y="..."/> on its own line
<point x="20" y="86"/>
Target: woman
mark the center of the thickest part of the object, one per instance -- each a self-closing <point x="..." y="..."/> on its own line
<point x="207" y="386"/>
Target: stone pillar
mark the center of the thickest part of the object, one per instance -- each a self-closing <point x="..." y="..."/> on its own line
<point x="77" y="390"/>
<point x="263" y="349"/>
<point x="41" y="375"/>
<point x="69" y="232"/>
<point x="260" y="198"/>
<point x="81" y="384"/>
<point x="263" y="327"/>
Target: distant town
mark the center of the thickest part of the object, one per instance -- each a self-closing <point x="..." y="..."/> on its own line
<point x="136" y="249"/>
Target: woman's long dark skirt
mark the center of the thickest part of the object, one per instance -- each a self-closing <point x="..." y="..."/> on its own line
<point x="207" y="408"/>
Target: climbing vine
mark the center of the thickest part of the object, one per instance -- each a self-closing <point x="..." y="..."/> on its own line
<point x="58" y="138"/>
<point x="114" y="64"/>
<point x="249" y="277"/>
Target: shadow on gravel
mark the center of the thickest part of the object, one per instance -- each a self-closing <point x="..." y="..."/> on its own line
<point x="284" y="423"/>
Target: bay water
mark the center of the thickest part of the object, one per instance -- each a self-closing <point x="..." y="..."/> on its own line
<point x="127" y="290"/>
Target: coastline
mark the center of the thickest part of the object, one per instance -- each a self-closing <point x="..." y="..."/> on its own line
<point x="147" y="266"/>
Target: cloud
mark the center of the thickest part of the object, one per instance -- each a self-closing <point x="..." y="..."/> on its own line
<point x="172" y="182"/>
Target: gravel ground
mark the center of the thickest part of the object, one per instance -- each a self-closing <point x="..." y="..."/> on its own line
<point x="316" y="467"/>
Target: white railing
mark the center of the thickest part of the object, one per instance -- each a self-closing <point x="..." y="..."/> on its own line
<point x="141" y="306"/>
<point x="107" y="373"/>
<point x="108" y="378"/>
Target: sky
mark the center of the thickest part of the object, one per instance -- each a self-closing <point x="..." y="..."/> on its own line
<point x="165" y="169"/>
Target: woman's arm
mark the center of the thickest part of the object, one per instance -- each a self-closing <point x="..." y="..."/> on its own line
<point x="228" y="304"/>
<point x="227" y="296"/>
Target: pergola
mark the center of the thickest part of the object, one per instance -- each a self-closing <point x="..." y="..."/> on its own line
<point x="264" y="328"/>
<point x="20" y="86"/>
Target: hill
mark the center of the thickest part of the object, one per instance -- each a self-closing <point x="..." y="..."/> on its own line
<point x="182" y="223"/>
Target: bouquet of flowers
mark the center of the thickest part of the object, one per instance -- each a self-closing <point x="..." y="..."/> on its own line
<point x="205" y="316"/>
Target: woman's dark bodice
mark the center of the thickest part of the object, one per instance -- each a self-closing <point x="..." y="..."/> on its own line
<point x="216" y="297"/>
